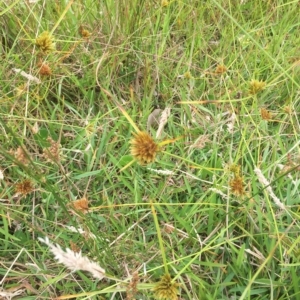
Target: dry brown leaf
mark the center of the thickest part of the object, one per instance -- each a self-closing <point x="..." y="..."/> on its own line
<point x="163" y="121"/>
<point x="153" y="119"/>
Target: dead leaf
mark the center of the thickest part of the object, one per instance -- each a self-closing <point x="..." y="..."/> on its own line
<point x="153" y="119"/>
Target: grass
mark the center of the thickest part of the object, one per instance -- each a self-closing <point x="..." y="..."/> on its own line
<point x="228" y="70"/>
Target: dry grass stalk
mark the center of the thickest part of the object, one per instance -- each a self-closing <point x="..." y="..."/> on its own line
<point x="74" y="261"/>
<point x="200" y="142"/>
<point x="5" y="294"/>
<point x="262" y="179"/>
<point x="162" y="172"/>
<point x="29" y="77"/>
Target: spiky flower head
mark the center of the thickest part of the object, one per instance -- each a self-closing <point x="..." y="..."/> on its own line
<point x="45" y="42"/>
<point x="165" y="289"/>
<point x="84" y="32"/>
<point x="256" y="86"/>
<point x="25" y="187"/>
<point x="45" y="69"/>
<point x="81" y="205"/>
<point x="143" y="148"/>
<point x="220" y="69"/>
<point x="237" y="185"/>
<point x="265" y="114"/>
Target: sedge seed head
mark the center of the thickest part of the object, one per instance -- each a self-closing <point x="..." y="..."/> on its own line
<point x="84" y="32"/>
<point x="265" y="114"/>
<point x="220" y="69"/>
<point x="237" y="185"/>
<point x="21" y="156"/>
<point x="165" y="289"/>
<point x="25" y="187"/>
<point x="45" y="69"/>
<point x="45" y="42"/>
<point x="52" y="153"/>
<point x="143" y="148"/>
<point x="256" y="86"/>
<point x="81" y="205"/>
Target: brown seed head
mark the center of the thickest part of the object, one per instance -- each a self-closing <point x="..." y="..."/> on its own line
<point x="25" y="187"/>
<point x="220" y="69"/>
<point x="143" y="148"/>
<point x="81" y="205"/>
<point x="84" y="32"/>
<point x="265" y="114"/>
<point x="131" y="289"/>
<point x="45" y="70"/>
<point x="52" y="153"/>
<point x="237" y="186"/>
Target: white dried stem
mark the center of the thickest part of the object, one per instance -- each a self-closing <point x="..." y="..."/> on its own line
<point x="81" y="231"/>
<point x="263" y="180"/>
<point x="4" y="294"/>
<point x="162" y="172"/>
<point x="224" y="196"/>
<point x="27" y="76"/>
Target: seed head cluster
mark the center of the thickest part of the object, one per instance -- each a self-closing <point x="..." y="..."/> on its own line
<point x="52" y="153"/>
<point x="21" y="155"/>
<point x="25" y="187"/>
<point x="165" y="289"/>
<point x="44" y="69"/>
<point x="236" y="184"/>
<point x="256" y="86"/>
<point x="143" y="148"/>
<point x="45" y="42"/>
<point x="265" y="114"/>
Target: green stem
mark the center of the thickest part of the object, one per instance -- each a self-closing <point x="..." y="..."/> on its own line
<point x="162" y="249"/>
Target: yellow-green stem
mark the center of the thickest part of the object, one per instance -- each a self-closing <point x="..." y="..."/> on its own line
<point x="162" y="249"/>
